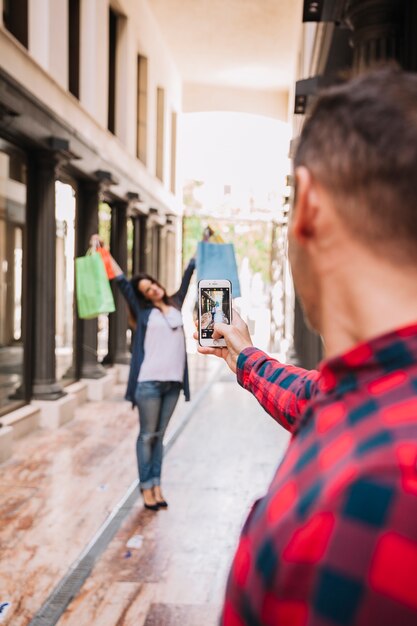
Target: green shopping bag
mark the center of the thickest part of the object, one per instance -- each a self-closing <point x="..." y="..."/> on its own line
<point x="94" y="294"/>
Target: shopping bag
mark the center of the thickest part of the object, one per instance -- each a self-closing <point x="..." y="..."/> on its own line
<point x="94" y="294"/>
<point x="218" y="260"/>
<point x="105" y="255"/>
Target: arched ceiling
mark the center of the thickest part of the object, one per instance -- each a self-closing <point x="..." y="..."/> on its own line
<point x="243" y="44"/>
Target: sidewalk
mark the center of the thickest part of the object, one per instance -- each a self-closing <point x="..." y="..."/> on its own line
<point x="60" y="487"/>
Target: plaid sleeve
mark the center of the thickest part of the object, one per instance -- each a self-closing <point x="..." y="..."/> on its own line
<point x="352" y="561"/>
<point x="282" y="390"/>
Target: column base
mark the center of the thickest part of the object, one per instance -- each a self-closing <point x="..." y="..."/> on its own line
<point x="70" y="374"/>
<point x="55" y="414"/>
<point x="123" y="358"/>
<point x="93" y="370"/>
<point x="47" y="391"/>
<point x="78" y="390"/>
<point x="122" y="371"/>
<point x="23" y="421"/>
<point x="99" y="389"/>
<point x="6" y="442"/>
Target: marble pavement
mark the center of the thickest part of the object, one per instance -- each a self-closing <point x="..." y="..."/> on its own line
<point x="163" y="569"/>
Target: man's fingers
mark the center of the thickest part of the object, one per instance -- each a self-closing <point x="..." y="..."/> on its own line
<point x="205" y="350"/>
<point x="220" y="330"/>
<point x="239" y="323"/>
<point x="236" y="319"/>
<point x="228" y="331"/>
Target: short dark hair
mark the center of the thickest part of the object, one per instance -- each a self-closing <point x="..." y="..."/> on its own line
<point x="144" y="303"/>
<point x="360" y="142"/>
<point x="143" y="300"/>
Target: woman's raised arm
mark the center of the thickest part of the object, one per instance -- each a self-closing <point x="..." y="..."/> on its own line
<point x="96" y="242"/>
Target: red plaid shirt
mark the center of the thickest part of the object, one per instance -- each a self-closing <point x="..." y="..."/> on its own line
<point x="334" y="541"/>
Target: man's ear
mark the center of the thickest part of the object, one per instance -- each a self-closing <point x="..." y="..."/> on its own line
<point x="305" y="206"/>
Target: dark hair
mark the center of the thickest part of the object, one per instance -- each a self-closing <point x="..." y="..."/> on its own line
<point x="144" y="303"/>
<point x="360" y="142"/>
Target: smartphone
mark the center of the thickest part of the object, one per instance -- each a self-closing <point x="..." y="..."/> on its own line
<point x="214" y="305"/>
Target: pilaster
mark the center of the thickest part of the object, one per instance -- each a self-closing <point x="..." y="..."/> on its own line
<point x="139" y="244"/>
<point x="376" y="26"/>
<point x="118" y="351"/>
<point x="42" y="170"/>
<point x="87" y="225"/>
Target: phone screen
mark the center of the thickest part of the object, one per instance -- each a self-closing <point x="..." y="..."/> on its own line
<point x="214" y="308"/>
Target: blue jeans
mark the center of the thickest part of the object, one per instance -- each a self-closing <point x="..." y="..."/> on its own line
<point x="156" y="401"/>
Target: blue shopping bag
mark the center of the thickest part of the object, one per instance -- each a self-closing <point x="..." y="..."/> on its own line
<point x="216" y="261"/>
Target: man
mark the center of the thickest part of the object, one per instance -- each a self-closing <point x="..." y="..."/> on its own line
<point x="334" y="541"/>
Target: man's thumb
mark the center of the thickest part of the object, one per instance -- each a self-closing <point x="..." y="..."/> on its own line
<point x="220" y="330"/>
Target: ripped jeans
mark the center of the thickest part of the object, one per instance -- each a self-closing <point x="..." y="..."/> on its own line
<point x="156" y="401"/>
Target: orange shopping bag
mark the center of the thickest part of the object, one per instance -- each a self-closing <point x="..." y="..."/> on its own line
<point x="105" y="255"/>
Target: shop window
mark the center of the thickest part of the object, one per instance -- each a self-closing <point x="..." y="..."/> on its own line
<point x="15" y="19"/>
<point x="160" y="131"/>
<point x="130" y="237"/>
<point x="173" y="151"/>
<point x="12" y="225"/>
<point x="74" y="47"/>
<point x="104" y="229"/>
<point x="65" y="203"/>
<point x="142" y="108"/>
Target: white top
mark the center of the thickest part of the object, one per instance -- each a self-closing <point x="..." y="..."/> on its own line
<point x="218" y="314"/>
<point x="164" y="347"/>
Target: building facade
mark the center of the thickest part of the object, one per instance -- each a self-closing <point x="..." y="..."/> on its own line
<point x="89" y="97"/>
<point x="341" y="38"/>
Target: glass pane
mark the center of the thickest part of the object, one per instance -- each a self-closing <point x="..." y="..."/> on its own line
<point x="12" y="223"/>
<point x="104" y="229"/>
<point x="130" y="236"/>
<point x="65" y="241"/>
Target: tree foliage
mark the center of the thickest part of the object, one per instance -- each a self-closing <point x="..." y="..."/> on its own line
<point x="252" y="239"/>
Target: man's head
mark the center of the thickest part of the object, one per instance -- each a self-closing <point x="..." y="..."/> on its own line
<point x="358" y="153"/>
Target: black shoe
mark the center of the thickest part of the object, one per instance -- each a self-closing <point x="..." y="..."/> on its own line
<point x="163" y="504"/>
<point x="151" y="507"/>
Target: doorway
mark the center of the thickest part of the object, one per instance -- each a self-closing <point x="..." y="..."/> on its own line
<point x="65" y="208"/>
<point x="12" y="225"/>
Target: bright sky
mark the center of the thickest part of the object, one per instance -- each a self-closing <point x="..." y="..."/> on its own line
<point x="237" y="149"/>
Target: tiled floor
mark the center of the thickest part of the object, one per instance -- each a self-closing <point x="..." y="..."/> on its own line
<point x="59" y="488"/>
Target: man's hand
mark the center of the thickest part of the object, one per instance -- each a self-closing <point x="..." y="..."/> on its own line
<point x="237" y="339"/>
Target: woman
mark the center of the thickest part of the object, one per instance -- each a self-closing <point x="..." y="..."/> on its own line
<point x="158" y="369"/>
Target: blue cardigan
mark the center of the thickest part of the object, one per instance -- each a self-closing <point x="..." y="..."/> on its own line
<point x="142" y="318"/>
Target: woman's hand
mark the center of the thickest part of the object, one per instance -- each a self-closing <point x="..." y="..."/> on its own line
<point x="237" y="338"/>
<point x="96" y="241"/>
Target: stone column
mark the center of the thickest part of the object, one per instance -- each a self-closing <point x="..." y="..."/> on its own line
<point x="86" y="331"/>
<point x="376" y="26"/>
<point x="139" y="244"/>
<point x="118" y="351"/>
<point x="171" y="252"/>
<point x="42" y="172"/>
<point x="409" y="39"/>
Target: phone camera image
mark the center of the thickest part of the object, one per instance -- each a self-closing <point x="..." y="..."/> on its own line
<point x="215" y="307"/>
